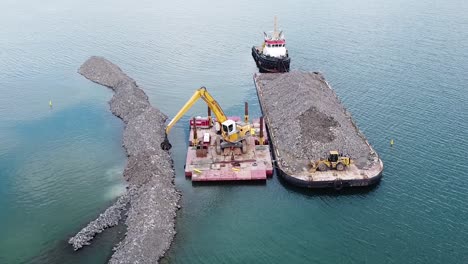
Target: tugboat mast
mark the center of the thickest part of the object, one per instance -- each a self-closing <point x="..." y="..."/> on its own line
<point x="275" y="31"/>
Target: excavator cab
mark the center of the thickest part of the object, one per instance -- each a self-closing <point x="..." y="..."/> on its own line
<point x="232" y="132"/>
<point x="229" y="127"/>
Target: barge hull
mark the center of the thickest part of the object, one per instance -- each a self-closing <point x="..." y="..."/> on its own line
<point x="336" y="184"/>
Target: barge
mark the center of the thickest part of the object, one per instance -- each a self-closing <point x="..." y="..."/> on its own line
<point x="309" y="123"/>
<point x="206" y="163"/>
<point x="223" y="148"/>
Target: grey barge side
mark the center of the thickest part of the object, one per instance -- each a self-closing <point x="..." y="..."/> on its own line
<point x="305" y="120"/>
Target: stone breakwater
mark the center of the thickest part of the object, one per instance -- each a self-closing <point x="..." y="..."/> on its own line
<point x="151" y="199"/>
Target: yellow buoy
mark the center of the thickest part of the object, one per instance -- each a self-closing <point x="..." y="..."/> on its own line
<point x="50" y="103"/>
<point x="391" y="142"/>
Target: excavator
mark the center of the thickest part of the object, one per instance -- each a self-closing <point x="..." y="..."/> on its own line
<point x="231" y="134"/>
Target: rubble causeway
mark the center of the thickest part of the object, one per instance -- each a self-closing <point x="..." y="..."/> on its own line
<point x="151" y="200"/>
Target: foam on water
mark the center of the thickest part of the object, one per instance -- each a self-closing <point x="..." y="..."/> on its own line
<point x="114" y="191"/>
<point x="114" y="173"/>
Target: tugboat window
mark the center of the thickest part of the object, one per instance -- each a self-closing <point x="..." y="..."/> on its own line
<point x="231" y="127"/>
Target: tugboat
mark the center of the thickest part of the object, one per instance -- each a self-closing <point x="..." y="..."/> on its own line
<point x="272" y="56"/>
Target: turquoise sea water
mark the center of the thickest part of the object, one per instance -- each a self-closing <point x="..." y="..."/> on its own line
<point x="399" y="66"/>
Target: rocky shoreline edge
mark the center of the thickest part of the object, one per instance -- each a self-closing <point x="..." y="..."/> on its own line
<point x="151" y="200"/>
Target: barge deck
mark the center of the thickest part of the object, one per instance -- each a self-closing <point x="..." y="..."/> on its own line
<point x="305" y="125"/>
<point x="205" y="164"/>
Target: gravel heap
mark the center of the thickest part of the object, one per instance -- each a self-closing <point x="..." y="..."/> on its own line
<point x="308" y="120"/>
<point x="151" y="197"/>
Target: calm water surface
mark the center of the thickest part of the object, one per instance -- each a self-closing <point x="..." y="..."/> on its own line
<point x="399" y="66"/>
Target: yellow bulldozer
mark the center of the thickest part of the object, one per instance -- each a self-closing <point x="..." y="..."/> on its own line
<point x="334" y="161"/>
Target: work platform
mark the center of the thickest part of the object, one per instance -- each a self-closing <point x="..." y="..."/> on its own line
<point x="204" y="164"/>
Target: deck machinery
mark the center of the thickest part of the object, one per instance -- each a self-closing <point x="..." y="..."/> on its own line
<point x="224" y="148"/>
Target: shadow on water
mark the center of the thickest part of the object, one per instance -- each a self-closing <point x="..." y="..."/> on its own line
<point x="311" y="192"/>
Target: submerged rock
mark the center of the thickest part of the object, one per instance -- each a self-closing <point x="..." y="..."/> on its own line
<point x="151" y="196"/>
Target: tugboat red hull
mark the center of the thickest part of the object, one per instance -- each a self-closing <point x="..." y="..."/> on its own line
<point x="270" y="64"/>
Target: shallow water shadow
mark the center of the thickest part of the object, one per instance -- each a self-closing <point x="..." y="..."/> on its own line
<point x="100" y="250"/>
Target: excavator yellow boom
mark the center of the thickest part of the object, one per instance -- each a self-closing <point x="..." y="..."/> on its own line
<point x="210" y="101"/>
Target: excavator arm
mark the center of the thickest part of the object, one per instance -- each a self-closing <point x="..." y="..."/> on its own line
<point x="209" y="100"/>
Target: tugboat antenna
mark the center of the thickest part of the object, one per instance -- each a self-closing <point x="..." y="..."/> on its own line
<point x="275" y="29"/>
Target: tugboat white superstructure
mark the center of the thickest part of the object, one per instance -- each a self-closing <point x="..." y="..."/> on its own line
<point x="272" y="56"/>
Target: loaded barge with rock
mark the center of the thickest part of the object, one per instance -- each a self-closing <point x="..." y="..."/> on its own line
<point x="310" y="128"/>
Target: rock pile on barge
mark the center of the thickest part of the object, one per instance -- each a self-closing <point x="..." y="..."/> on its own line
<point x="151" y="200"/>
<point x="308" y="123"/>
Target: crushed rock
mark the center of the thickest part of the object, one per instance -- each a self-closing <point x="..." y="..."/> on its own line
<point x="310" y="121"/>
